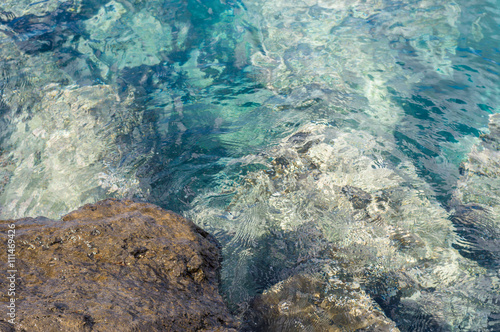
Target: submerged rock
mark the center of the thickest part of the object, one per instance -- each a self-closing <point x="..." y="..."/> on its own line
<point x="305" y="301"/>
<point x="343" y="206"/>
<point x="476" y="201"/>
<point x="116" y="266"/>
<point x="145" y="38"/>
<point x="10" y="8"/>
<point x="318" y="48"/>
<point x="64" y="152"/>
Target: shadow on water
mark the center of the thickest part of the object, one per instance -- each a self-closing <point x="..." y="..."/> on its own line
<point x="35" y="34"/>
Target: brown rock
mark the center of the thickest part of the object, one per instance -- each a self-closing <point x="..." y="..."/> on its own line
<point x="305" y="302"/>
<point x="115" y="266"/>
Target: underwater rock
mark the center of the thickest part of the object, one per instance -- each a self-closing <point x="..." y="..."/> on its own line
<point x="318" y="48"/>
<point x="348" y="206"/>
<point x="307" y="303"/>
<point x="357" y="197"/>
<point x="117" y="40"/>
<point x="63" y="145"/>
<point x="476" y="201"/>
<point x="63" y="152"/>
<point x="13" y="8"/>
<point x="37" y="29"/>
<point x="116" y="266"/>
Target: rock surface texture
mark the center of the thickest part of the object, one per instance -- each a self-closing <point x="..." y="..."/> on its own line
<point x="115" y="266"/>
<point x="307" y="303"/>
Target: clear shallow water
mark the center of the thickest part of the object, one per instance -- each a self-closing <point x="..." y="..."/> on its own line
<point x="344" y="139"/>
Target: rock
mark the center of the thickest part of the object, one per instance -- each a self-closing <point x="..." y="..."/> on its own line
<point x="39" y="28"/>
<point x="116" y="266"/>
<point x="305" y="301"/>
<point x="374" y="217"/>
<point x="12" y="9"/>
<point x="64" y="152"/>
<point x="137" y="39"/>
<point x="359" y="198"/>
<point x="476" y="200"/>
<point x="290" y="57"/>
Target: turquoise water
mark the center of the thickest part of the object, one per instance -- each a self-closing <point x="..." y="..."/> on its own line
<point x="355" y="141"/>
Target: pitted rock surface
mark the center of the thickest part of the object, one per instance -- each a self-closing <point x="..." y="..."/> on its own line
<point x="116" y="266"/>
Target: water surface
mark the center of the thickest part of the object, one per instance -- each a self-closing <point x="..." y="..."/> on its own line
<point x="355" y="141"/>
